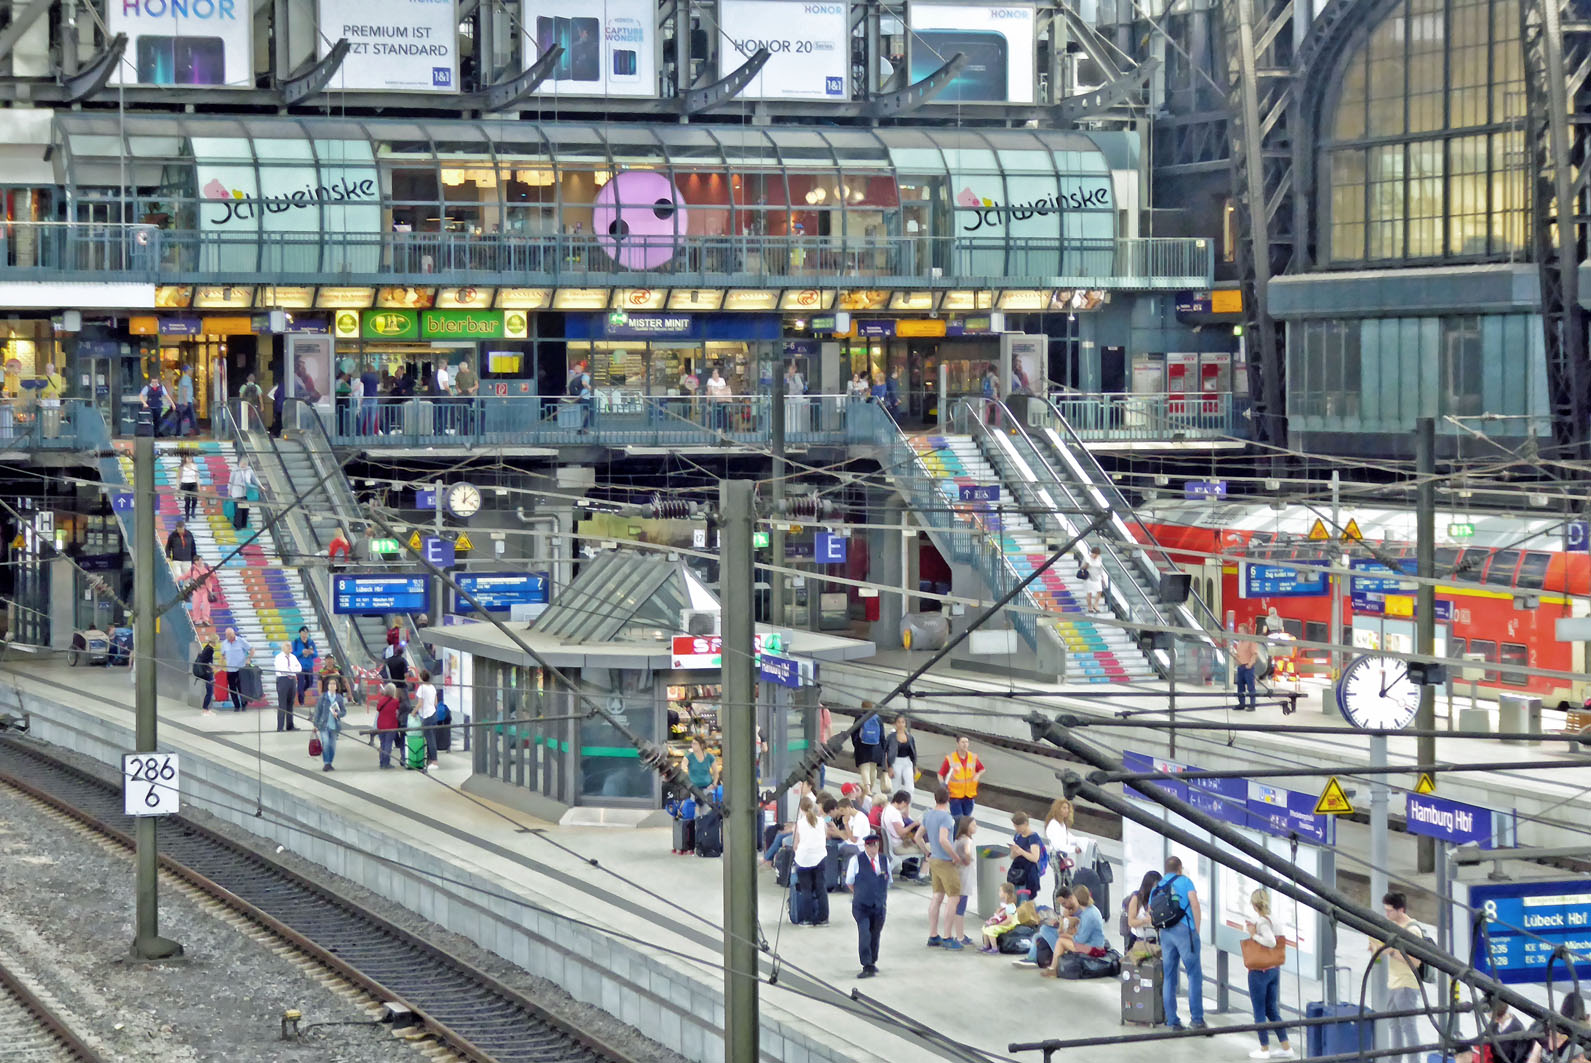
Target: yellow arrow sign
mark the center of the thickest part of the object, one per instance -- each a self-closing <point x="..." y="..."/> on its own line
<point x="415" y="540"/>
<point x="1333" y="801"/>
<point x="1426" y="785"/>
<point x="463" y="542"/>
<point x="1319" y="533"/>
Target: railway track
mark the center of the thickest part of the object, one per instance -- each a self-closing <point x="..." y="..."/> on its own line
<point x="30" y="1029"/>
<point x="464" y="1008"/>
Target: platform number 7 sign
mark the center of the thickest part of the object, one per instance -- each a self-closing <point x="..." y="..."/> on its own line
<point x="150" y="784"/>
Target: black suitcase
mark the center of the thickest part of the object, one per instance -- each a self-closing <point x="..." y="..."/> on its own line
<point x="783" y="865"/>
<point x="684" y="835"/>
<point x="710" y="833"/>
<point x="249" y="684"/>
<point x="1141" y="1002"/>
<point x="444" y="737"/>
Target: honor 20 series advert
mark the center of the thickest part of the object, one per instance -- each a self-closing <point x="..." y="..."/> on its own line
<point x="183" y="42"/>
<point x="609" y="46"/>
<point x="998" y="43"/>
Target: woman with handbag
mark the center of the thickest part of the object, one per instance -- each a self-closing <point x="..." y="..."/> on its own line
<point x="1065" y="847"/>
<point x="330" y="709"/>
<point x="1264" y="953"/>
<point x="204" y="594"/>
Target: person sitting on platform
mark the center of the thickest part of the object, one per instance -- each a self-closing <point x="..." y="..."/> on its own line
<point x="1003" y="919"/>
<point x="1087" y="934"/>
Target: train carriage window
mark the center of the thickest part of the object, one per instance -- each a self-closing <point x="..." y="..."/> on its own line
<point x="1502" y="567"/>
<point x="1293" y="627"/>
<point x="1488" y="653"/>
<point x="1446" y="558"/>
<point x="1468" y="563"/>
<point x="1515" y="653"/>
<point x="1533" y="571"/>
<point x="1316" y="631"/>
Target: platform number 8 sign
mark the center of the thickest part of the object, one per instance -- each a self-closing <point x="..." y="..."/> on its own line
<point x="150" y="784"/>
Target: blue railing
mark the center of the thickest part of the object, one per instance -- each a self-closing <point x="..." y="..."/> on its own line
<point x="29" y="424"/>
<point x="148" y="253"/>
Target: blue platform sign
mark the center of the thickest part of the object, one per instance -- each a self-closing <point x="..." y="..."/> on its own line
<point x="1196" y="489"/>
<point x="425" y="498"/>
<point x="1577" y="535"/>
<point x="1379" y="584"/>
<point x="829" y="549"/>
<point x="438" y="551"/>
<point x="1296" y="579"/>
<point x="354" y="594"/>
<point x="1452" y="821"/>
<point x="121" y="501"/>
<point x="781" y="671"/>
<point x="1240" y="802"/>
<point x="979" y="492"/>
<point x="1526" y="922"/>
<point x="499" y="592"/>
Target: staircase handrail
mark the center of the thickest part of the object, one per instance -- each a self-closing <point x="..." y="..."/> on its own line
<point x="240" y="444"/>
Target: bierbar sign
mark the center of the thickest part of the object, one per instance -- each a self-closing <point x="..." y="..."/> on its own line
<point x="400" y="324"/>
<point x="707" y="651"/>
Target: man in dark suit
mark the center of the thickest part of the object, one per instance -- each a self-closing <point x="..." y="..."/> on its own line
<point x="870" y="892"/>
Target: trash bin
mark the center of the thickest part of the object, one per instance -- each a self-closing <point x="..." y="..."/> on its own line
<point x="50" y="418"/>
<point x="1519" y="713"/>
<point x="994" y="862"/>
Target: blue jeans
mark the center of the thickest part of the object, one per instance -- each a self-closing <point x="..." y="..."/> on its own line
<point x="1265" y="993"/>
<point x="328" y="746"/>
<point x="780" y="840"/>
<point x="1050" y="934"/>
<point x="962" y="806"/>
<point x="1245" y="681"/>
<point x="386" y="748"/>
<point x="1178" y="943"/>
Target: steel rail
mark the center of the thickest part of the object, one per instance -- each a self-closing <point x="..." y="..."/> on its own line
<point x="27" y="1000"/>
<point x="464" y="1007"/>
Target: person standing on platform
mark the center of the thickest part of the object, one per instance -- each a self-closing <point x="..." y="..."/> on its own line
<point x="1246" y="655"/>
<point x="330" y="708"/>
<point x="287" y="672"/>
<point x="387" y="721"/>
<point x="425" y="702"/>
<point x="938" y="837"/>
<point x="1403" y="984"/>
<point x="1180" y="942"/>
<point x="235" y="654"/>
<point x="869" y="897"/>
<point x="900" y="756"/>
<point x="867" y="742"/>
<point x="306" y="651"/>
<point x="204" y="671"/>
<point x="811" y="844"/>
<point x="960" y="773"/>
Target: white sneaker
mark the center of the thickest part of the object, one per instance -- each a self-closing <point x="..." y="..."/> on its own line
<point x="1261" y="1053"/>
<point x="1282" y="1053"/>
<point x="1023" y="963"/>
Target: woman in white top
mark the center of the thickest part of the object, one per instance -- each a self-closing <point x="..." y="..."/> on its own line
<point x="718" y="393"/>
<point x="1265" y="982"/>
<point x="188" y="481"/>
<point x="811" y="843"/>
<point x="1065" y="847"/>
<point x="1094" y="583"/>
<point x="238" y="488"/>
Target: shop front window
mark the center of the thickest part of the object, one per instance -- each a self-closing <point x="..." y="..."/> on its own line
<point x="610" y="767"/>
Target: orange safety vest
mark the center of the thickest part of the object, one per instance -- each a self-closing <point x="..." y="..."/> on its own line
<point x="961" y="780"/>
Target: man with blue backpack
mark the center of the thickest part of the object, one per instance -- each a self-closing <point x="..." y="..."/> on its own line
<point x="867" y="742"/>
<point x="1174" y="912"/>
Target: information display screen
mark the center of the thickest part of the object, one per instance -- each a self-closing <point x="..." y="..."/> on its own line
<point x="1526" y="922"/>
<point x="499" y="592"/>
<point x="356" y="594"/>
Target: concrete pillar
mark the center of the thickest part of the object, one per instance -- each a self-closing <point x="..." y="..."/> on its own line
<point x="63" y="602"/>
<point x="887" y="561"/>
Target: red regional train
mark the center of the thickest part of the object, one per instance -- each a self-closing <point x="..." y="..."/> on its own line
<point x="1518" y="579"/>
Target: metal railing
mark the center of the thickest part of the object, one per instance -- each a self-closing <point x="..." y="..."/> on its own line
<point x="610" y="417"/>
<point x="30" y="424"/>
<point x="1157" y="417"/>
<point x="1148" y="557"/>
<point x="173" y="255"/>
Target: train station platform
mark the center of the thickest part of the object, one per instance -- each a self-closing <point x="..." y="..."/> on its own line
<point x="608" y="913"/>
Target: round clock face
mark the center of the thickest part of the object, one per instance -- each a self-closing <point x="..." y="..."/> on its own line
<point x="463" y="500"/>
<point x="1376" y="694"/>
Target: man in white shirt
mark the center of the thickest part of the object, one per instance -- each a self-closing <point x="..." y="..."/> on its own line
<point x="900" y="836"/>
<point x="287" y="670"/>
<point x="425" y="700"/>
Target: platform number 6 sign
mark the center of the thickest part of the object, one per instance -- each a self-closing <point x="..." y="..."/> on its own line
<point x="150" y="784"/>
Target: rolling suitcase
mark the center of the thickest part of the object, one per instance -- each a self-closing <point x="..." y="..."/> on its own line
<point x="801" y="908"/>
<point x="710" y="833"/>
<point x="684" y="835"/>
<point x="1354" y="1032"/>
<point x="249" y="684"/>
<point x="1141" y="1002"/>
<point x="783" y="866"/>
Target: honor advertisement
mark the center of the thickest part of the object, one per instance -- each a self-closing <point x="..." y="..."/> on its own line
<point x="609" y="46"/>
<point x="183" y="42"/>
<point x="808" y="42"/>
<point x="998" y="41"/>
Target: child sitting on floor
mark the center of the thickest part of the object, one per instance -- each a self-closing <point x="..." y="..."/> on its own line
<point x="1002" y="920"/>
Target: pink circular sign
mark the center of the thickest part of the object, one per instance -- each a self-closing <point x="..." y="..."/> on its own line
<point x="638" y="218"/>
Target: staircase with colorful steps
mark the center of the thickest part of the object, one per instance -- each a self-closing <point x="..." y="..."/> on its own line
<point x="1095" y="653"/>
<point x="263" y="600"/>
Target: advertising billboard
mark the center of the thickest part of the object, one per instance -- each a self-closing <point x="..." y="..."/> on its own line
<point x="997" y="39"/>
<point x="808" y="42"/>
<point x="396" y="45"/>
<point x="184" y="42"/>
<point x="609" y="46"/>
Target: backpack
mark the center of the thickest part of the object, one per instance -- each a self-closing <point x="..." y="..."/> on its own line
<point x="576" y="385"/>
<point x="443" y="713"/>
<point x="1165" y="907"/>
<point x="872" y="732"/>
